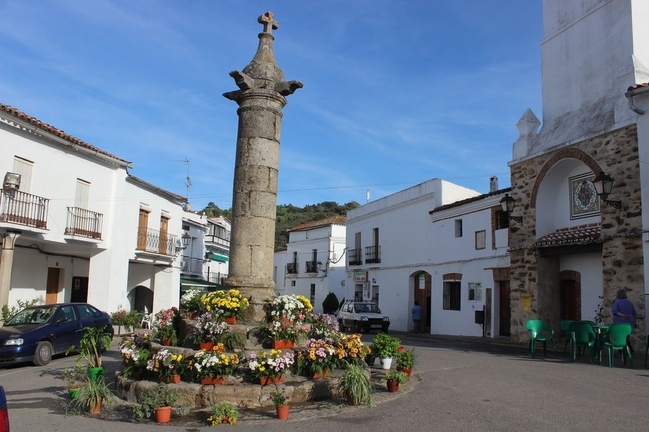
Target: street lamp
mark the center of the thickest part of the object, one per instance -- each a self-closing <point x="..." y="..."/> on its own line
<point x="507" y="204"/>
<point x="603" y="185"/>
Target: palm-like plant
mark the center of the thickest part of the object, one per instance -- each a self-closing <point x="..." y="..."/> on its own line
<point x="356" y="386"/>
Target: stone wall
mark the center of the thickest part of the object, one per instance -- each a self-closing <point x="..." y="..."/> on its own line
<point x="616" y="153"/>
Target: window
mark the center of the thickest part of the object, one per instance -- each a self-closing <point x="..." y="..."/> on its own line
<point x="452" y="300"/>
<point x="82" y="194"/>
<point x="312" y="294"/>
<point x="475" y="291"/>
<point x="292" y="283"/>
<point x="358" y="292"/>
<point x="24" y="168"/>
<point x="502" y="220"/>
<point x="480" y="239"/>
<point x="458" y="228"/>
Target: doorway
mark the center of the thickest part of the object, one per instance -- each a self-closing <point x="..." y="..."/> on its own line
<point x="505" y="309"/>
<point x="52" y="288"/>
<point x="422" y="286"/>
<point x="79" y="290"/>
<point x="570" y="295"/>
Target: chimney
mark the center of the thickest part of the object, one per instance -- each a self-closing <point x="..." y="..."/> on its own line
<point x="493" y="184"/>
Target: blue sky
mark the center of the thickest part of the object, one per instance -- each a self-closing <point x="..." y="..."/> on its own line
<point x="395" y="92"/>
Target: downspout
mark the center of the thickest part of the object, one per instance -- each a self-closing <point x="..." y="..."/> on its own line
<point x="630" y="97"/>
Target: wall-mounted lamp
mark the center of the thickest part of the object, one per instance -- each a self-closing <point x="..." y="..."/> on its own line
<point x="184" y="240"/>
<point x="373" y="280"/>
<point x="603" y="185"/>
<point x="507" y="204"/>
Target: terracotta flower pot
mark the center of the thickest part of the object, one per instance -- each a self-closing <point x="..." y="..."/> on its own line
<point x="282" y="411"/>
<point x="270" y="380"/>
<point x="212" y="380"/>
<point x="173" y="379"/>
<point x="407" y="371"/>
<point x="166" y="342"/>
<point x="393" y="386"/>
<point x="283" y="344"/>
<point x="317" y="376"/>
<point x="206" y="345"/>
<point x="96" y="409"/>
<point x="163" y="414"/>
<point x="232" y="320"/>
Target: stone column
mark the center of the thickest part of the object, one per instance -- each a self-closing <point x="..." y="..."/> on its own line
<point x="261" y="97"/>
<point x="6" y="265"/>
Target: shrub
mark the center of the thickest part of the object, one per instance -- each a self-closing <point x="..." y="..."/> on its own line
<point x="330" y="304"/>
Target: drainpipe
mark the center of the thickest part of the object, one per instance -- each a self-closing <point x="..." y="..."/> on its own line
<point x="630" y="97"/>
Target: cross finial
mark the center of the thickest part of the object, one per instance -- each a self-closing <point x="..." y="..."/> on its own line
<point x="267" y="21"/>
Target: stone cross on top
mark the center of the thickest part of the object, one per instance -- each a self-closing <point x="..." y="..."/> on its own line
<point x="268" y="22"/>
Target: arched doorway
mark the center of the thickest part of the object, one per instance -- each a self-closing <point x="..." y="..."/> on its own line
<point x="141" y="299"/>
<point x="422" y="287"/>
<point x="570" y="295"/>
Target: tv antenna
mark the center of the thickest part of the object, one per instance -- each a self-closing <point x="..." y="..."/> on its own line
<point x="188" y="181"/>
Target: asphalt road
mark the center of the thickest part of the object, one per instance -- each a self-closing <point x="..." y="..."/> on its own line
<point x="459" y="385"/>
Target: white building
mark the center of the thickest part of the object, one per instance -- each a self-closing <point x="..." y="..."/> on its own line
<point x="76" y="226"/>
<point x="469" y="293"/>
<point x="390" y="243"/>
<point x="313" y="263"/>
<point x="217" y="245"/>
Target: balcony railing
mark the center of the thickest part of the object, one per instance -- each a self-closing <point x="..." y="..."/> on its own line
<point x="85" y="223"/>
<point x="355" y="257"/>
<point x="312" y="266"/>
<point x="372" y="254"/>
<point x="23" y="209"/>
<point x="192" y="265"/>
<point x="291" y="268"/>
<point x="153" y="241"/>
<point x="218" y="240"/>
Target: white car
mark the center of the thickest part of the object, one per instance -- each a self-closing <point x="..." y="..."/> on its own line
<point x="362" y="316"/>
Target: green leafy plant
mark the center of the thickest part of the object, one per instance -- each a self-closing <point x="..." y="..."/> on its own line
<point x="234" y="340"/>
<point x="356" y="386"/>
<point x="161" y="396"/>
<point x="93" y="342"/>
<point x="278" y="397"/>
<point x="92" y="392"/>
<point x="10" y="312"/>
<point x="223" y="412"/>
<point x="405" y="358"/>
<point x="385" y="346"/>
<point x="395" y="375"/>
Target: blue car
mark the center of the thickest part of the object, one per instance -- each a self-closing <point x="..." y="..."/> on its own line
<point x="37" y="333"/>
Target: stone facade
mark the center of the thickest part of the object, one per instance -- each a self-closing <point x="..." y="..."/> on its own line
<point x="536" y="274"/>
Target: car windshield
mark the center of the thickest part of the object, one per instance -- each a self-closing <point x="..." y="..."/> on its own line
<point x="366" y="307"/>
<point x="39" y="315"/>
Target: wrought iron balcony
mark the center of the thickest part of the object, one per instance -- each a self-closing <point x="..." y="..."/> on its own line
<point x="218" y="239"/>
<point x="291" y="268"/>
<point x="192" y="266"/>
<point x="85" y="223"/>
<point x="372" y="254"/>
<point x="354" y="257"/>
<point x="23" y="209"/>
<point x="159" y="242"/>
<point x="312" y="266"/>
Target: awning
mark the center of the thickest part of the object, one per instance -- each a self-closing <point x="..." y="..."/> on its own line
<point x="578" y="235"/>
<point x="216" y="257"/>
<point x="198" y="283"/>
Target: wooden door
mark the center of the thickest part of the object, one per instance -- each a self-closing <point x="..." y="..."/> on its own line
<point x="52" y="289"/>
<point x="164" y="236"/>
<point x="422" y="287"/>
<point x="505" y="309"/>
<point x="142" y="227"/>
<point x="570" y="300"/>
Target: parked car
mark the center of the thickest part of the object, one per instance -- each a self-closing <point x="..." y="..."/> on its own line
<point x="37" y="333"/>
<point x="4" y="413"/>
<point x="362" y="316"/>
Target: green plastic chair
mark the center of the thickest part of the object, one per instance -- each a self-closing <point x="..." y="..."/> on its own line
<point x="564" y="330"/>
<point x="539" y="332"/>
<point x="582" y="335"/>
<point x="617" y="335"/>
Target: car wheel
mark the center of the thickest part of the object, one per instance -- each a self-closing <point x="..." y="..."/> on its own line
<point x="43" y="353"/>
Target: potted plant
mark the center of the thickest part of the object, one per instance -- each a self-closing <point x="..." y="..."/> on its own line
<point x="209" y="330"/>
<point x="74" y="377"/>
<point x="229" y="304"/>
<point x="280" y="400"/>
<point x="317" y="359"/>
<point x="94" y="394"/>
<point x="393" y="378"/>
<point x="405" y="360"/>
<point x="164" y="326"/>
<point x="190" y="303"/>
<point x="385" y="347"/>
<point x="223" y="412"/>
<point x="92" y="343"/>
<point x="212" y="366"/>
<point x="158" y="401"/>
<point x="355" y="385"/>
<point x="269" y="367"/>
<point x="136" y="351"/>
<point x="167" y="365"/>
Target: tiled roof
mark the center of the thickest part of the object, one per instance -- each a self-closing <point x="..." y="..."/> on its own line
<point x="56" y="132"/>
<point x="582" y="234"/>
<point x="331" y="220"/>
<point x="469" y="200"/>
<point x="637" y="86"/>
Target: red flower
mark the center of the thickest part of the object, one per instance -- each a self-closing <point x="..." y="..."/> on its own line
<point x="401" y="348"/>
